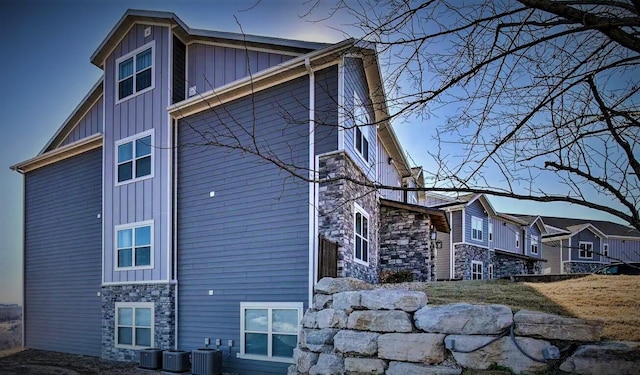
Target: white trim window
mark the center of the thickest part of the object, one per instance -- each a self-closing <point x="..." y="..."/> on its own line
<point x="134" y="246"/>
<point x="476" y="270"/>
<point x="360" y="129"/>
<point x="134" y="326"/>
<point x="134" y="157"/>
<point x="361" y="235"/>
<point x="476" y="228"/>
<point x="605" y="250"/>
<point x="135" y="72"/>
<point x="534" y="244"/>
<point x="517" y="240"/>
<point x="490" y="232"/>
<point x="490" y="271"/>
<point x="269" y="330"/>
<point x="586" y="250"/>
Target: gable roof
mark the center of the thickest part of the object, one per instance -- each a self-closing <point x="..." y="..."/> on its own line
<point x="572" y="225"/>
<point x="438" y="217"/>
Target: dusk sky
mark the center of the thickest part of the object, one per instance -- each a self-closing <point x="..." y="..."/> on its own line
<point x="45" y="47"/>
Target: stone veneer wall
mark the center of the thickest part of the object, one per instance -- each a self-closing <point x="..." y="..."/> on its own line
<point x="354" y="328"/>
<point x="162" y="295"/>
<point x="504" y="265"/>
<point x="464" y="255"/>
<point x="581" y="267"/>
<point x="405" y="243"/>
<point x="336" y="214"/>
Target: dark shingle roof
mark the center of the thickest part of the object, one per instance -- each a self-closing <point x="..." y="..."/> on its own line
<point x="606" y="227"/>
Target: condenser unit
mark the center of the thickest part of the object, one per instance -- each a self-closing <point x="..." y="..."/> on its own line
<point x="175" y="361"/>
<point x="206" y="362"/>
<point x="151" y="358"/>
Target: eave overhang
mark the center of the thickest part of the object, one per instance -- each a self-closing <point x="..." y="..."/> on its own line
<point x="518" y="256"/>
<point x="438" y="218"/>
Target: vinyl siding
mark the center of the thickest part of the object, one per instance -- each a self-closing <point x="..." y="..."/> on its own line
<point x="326" y="110"/>
<point x="476" y="209"/>
<point x="504" y="236"/>
<point x="388" y="175"/>
<point x="456" y="226"/>
<point x="585" y="235"/>
<point x="443" y="258"/>
<point x="62" y="256"/>
<point x="146" y="199"/>
<point x="356" y="81"/>
<point x="551" y="252"/>
<point x="211" y="66"/>
<point x="91" y="123"/>
<point x="533" y="230"/>
<point x="179" y="71"/>
<point x="250" y="242"/>
<point x="627" y="250"/>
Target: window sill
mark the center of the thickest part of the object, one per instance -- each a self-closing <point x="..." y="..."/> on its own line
<point x="120" y="101"/>
<point x="254" y="357"/>
<point x="125" y="269"/>
<point x="126" y="182"/>
<point x="361" y="262"/>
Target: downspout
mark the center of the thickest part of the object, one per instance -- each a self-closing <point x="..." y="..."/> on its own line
<point x="174" y="275"/>
<point x="452" y="253"/>
<point x="312" y="185"/>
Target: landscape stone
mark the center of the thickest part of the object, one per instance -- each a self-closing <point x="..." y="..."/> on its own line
<point x="317" y="340"/>
<point x="322" y="301"/>
<point x="605" y="358"/>
<point x="554" y="327"/>
<point x="347" y="301"/>
<point x="328" y="364"/>
<point x="331" y="318"/>
<point x="356" y="342"/>
<point x="329" y="285"/>
<point x="380" y="321"/>
<point x="503" y="352"/>
<point x="464" y="318"/>
<point x="403" y="368"/>
<point x="389" y="299"/>
<point x="412" y="347"/>
<point x="304" y="360"/>
<point x="309" y="319"/>
<point x="357" y="366"/>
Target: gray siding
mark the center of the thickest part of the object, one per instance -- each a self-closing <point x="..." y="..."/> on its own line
<point x="585" y="235"/>
<point x="146" y="199"/>
<point x="443" y="258"/>
<point x="504" y="236"/>
<point x="211" y="66"/>
<point x="356" y="81"/>
<point x="251" y="241"/>
<point x="62" y="256"/>
<point x="476" y="209"/>
<point x="533" y="230"/>
<point x="551" y="252"/>
<point x="456" y="226"/>
<point x="388" y="175"/>
<point x="91" y="123"/>
<point x="326" y="110"/>
<point x="627" y="250"/>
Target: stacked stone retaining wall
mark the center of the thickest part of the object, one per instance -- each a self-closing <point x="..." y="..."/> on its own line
<point x="354" y="328"/>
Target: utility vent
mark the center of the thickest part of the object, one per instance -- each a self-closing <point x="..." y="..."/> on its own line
<point x="151" y="358"/>
<point x="175" y="361"/>
<point x="206" y="362"/>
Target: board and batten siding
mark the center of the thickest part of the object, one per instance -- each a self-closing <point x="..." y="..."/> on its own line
<point x="89" y="124"/>
<point x="532" y="230"/>
<point x="326" y="110"/>
<point x="388" y="175"/>
<point x="585" y="235"/>
<point x="551" y="252"/>
<point x="456" y="226"/>
<point x="355" y="81"/>
<point x="146" y="199"/>
<point x="210" y="66"/>
<point x="443" y="258"/>
<point x="476" y="209"/>
<point x="627" y="250"/>
<point x="62" y="255"/>
<point x="504" y="236"/>
<point x="250" y="241"/>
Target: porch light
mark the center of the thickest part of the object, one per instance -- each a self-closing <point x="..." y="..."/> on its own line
<point x="438" y="244"/>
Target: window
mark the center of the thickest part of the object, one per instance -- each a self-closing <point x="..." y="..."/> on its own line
<point x="269" y="330"/>
<point x="490" y="232"/>
<point x="360" y="120"/>
<point x="534" y="244"/>
<point x="476" y="270"/>
<point x="134" y="325"/>
<point x="490" y="271"/>
<point x="134" y="158"/>
<point x="476" y="228"/>
<point x="517" y="240"/>
<point x="586" y="250"/>
<point x="135" y="72"/>
<point x="134" y="245"/>
<point x="361" y="230"/>
<point x="605" y="250"/>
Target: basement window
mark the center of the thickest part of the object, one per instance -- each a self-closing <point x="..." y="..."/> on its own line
<point x="134" y="327"/>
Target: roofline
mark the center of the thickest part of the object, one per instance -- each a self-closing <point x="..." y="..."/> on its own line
<point x="512" y="219"/>
<point x="61" y="153"/>
<point x="538" y="219"/>
<point x="485" y="203"/>
<point x="441" y="226"/>
<point x="592" y="228"/>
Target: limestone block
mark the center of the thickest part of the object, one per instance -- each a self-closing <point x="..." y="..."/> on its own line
<point x="388" y="299"/>
<point x="502" y="352"/>
<point x="304" y="360"/>
<point x="309" y="319"/>
<point x="364" y="366"/>
<point x="317" y="340"/>
<point x="322" y="301"/>
<point x="331" y="318"/>
<point x="329" y="285"/>
<point x="292" y="370"/>
<point x="412" y="347"/>
<point x="380" y="321"/>
<point x="605" y="358"/>
<point x="356" y="342"/>
<point x="328" y="364"/>
<point x="464" y="318"/>
<point x="554" y="327"/>
<point x="404" y="368"/>
<point x="347" y="301"/>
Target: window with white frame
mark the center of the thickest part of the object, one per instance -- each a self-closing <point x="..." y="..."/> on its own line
<point x="135" y="158"/>
<point x="361" y="119"/>
<point x="134" y="326"/>
<point x="269" y="330"/>
<point x="134" y="245"/>
<point x="476" y="270"/>
<point x="490" y="232"/>
<point x="517" y="240"/>
<point x="476" y="228"/>
<point x="135" y="72"/>
<point x="605" y="249"/>
<point x="586" y="250"/>
<point x="490" y="271"/>
<point x="534" y="244"/>
<point x="361" y="233"/>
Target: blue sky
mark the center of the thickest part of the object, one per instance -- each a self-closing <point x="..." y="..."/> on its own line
<point x="45" y="47"/>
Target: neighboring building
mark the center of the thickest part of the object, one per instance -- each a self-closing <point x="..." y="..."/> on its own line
<point x="152" y="221"/>
<point x="581" y="245"/>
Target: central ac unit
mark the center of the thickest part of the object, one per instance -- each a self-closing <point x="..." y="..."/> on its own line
<point x="151" y="358"/>
<point x="206" y="362"/>
<point x="175" y="361"/>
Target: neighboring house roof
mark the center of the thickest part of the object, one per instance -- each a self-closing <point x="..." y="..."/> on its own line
<point x="438" y="217"/>
<point x="574" y="225"/>
<point x="468" y="199"/>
